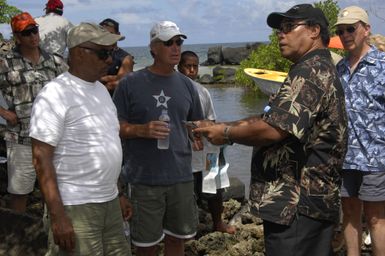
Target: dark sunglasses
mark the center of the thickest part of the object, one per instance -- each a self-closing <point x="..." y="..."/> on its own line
<point x="350" y="30"/>
<point x="103" y="54"/>
<point x="28" y="32"/>
<point x="170" y="42"/>
<point x="288" y="27"/>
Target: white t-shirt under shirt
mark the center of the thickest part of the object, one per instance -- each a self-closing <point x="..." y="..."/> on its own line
<point x="80" y="120"/>
<point x="198" y="163"/>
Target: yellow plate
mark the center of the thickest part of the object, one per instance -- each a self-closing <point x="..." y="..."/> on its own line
<point x="269" y="81"/>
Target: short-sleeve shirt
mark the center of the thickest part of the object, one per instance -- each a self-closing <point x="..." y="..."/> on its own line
<point x="53" y="30"/>
<point x="117" y="58"/>
<point x="139" y="99"/>
<point x="198" y="162"/>
<point x="365" y="104"/>
<point x="301" y="174"/>
<point x="79" y="119"/>
<point x="20" y="82"/>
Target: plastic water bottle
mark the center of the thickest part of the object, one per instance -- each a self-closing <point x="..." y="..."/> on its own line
<point x="164" y="143"/>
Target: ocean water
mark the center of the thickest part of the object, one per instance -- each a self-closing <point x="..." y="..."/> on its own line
<point x="143" y="58"/>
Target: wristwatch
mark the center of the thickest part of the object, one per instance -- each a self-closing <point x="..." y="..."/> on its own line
<point x="226" y="135"/>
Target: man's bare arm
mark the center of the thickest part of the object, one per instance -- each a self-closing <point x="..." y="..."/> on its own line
<point x="251" y="131"/>
<point x="61" y="225"/>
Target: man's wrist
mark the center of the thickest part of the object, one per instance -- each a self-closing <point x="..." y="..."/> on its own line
<point x="121" y="193"/>
<point x="226" y="135"/>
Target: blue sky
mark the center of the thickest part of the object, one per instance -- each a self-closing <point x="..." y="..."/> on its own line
<point x="214" y="21"/>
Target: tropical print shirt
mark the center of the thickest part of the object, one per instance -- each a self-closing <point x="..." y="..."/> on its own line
<point x="20" y="81"/>
<point x="365" y="104"/>
<point x="301" y="174"/>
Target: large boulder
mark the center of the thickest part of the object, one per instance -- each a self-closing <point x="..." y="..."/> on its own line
<point x="228" y="55"/>
<point x="234" y="56"/>
<point x="206" y="79"/>
<point x="224" y="75"/>
<point x="214" y="56"/>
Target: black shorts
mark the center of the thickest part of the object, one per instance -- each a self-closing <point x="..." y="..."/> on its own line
<point x="305" y="236"/>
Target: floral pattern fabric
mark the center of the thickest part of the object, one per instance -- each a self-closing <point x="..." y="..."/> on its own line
<point x="365" y="103"/>
<point x="301" y="174"/>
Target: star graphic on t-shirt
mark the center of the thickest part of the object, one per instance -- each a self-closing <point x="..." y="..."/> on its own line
<point x="161" y="99"/>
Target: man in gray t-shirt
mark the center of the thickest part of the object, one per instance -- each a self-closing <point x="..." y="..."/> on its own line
<point x="161" y="179"/>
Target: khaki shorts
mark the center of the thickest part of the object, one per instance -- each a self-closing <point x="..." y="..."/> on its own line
<point x="160" y="210"/>
<point x="98" y="230"/>
<point x="21" y="173"/>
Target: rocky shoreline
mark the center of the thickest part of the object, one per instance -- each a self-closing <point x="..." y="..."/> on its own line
<point x="23" y="234"/>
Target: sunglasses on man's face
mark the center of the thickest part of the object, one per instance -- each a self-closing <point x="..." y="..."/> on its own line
<point x="349" y="29"/>
<point x="29" y="32"/>
<point x="170" y="42"/>
<point x="287" y="27"/>
<point x="103" y="54"/>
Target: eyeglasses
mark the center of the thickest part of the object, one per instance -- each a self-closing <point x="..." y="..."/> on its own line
<point x="288" y="27"/>
<point x="103" y="54"/>
<point x="28" y="32"/>
<point x="170" y="42"/>
<point x="350" y="30"/>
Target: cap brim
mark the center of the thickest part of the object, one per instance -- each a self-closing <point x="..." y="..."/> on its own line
<point x="169" y="36"/>
<point x="346" y="21"/>
<point x="274" y="19"/>
<point x="26" y="25"/>
<point x="106" y="40"/>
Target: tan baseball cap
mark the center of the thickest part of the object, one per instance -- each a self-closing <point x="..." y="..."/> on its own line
<point x="90" y="32"/>
<point x="351" y="15"/>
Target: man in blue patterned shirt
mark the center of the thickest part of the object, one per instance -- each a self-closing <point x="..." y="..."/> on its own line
<point x="362" y="74"/>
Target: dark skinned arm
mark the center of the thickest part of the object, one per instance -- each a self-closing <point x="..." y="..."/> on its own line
<point x="61" y="225"/>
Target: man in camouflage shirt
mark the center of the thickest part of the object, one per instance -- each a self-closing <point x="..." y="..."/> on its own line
<point x="302" y="140"/>
<point x="23" y="72"/>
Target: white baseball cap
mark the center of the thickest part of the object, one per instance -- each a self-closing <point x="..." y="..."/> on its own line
<point x="164" y="31"/>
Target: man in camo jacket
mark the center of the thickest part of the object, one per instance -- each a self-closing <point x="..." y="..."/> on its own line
<point x="24" y="70"/>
